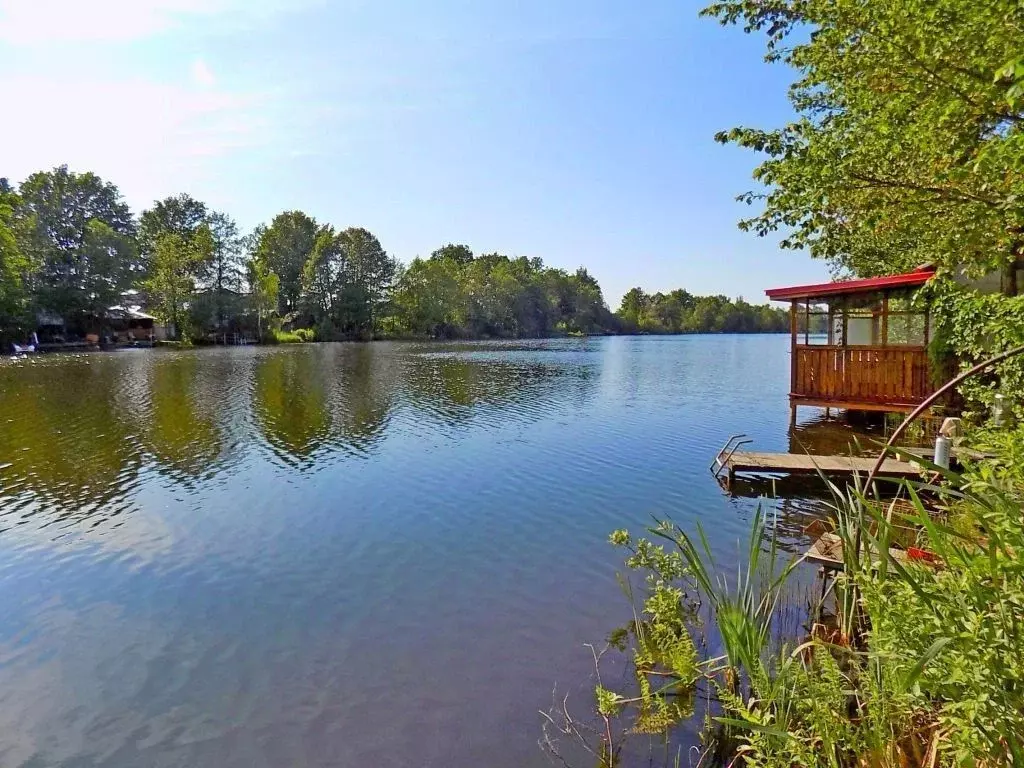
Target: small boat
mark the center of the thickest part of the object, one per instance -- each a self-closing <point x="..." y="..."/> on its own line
<point x="21" y="349"/>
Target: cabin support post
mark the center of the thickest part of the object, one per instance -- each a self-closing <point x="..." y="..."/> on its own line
<point x="792" y="364"/>
<point x="792" y="347"/>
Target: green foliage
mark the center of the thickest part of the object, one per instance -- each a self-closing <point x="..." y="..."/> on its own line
<point x="1012" y="74"/>
<point x="224" y="270"/>
<point x="971" y="327"/>
<point x="285" y="247"/>
<point x="934" y="674"/>
<point x="172" y="275"/>
<point x="681" y="312"/>
<point x="904" y="120"/>
<point x="460" y="254"/>
<point x="277" y="336"/>
<point x="80" y="239"/>
<point x="608" y="702"/>
<point x="452" y="294"/>
<point x="14" y="266"/>
<point x="263" y="287"/>
<point x="965" y="616"/>
<point x="70" y="246"/>
<point x="180" y="215"/>
<point x="346" y="281"/>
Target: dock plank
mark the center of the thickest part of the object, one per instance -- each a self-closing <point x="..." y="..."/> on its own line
<point x="827" y="551"/>
<point x="803" y="463"/>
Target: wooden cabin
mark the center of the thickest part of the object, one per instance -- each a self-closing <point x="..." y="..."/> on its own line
<point x="859" y="344"/>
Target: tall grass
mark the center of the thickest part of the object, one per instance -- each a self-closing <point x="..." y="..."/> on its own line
<point x="925" y="666"/>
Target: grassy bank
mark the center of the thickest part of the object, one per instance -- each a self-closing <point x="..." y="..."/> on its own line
<point x="914" y="658"/>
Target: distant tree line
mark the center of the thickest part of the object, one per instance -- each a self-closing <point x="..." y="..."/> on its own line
<point x="453" y="293"/>
<point x="681" y="312"/>
<point x="71" y="249"/>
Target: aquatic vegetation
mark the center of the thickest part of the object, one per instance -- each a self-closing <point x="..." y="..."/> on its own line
<point x="921" y="662"/>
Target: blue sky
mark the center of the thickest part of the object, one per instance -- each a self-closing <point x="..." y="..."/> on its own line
<point x="579" y="131"/>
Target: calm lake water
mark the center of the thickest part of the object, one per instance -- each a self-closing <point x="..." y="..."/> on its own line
<point x="380" y="554"/>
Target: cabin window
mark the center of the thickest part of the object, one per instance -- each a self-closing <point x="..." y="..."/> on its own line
<point x="907" y="329"/>
<point x="815" y="321"/>
<point x="862" y="329"/>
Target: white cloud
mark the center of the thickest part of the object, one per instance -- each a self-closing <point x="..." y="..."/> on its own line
<point x="148" y="138"/>
<point x="35" y="22"/>
<point x="28" y="22"/>
<point x="202" y="75"/>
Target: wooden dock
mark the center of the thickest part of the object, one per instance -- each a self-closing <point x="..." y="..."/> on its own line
<point x="751" y="462"/>
<point x="827" y="551"/>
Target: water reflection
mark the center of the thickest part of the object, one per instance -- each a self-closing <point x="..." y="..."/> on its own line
<point x="836" y="436"/>
<point x="79" y="431"/>
<point x="364" y="377"/>
<point x="290" y="403"/>
<point x="337" y="554"/>
<point x="180" y="425"/>
<point x="64" y="443"/>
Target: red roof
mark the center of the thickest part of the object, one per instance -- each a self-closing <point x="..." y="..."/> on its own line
<point x="845" y="287"/>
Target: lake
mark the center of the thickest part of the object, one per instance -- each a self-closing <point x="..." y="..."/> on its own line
<point x="382" y="554"/>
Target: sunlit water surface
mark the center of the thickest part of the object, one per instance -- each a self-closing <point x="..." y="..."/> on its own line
<point x="382" y="554"/>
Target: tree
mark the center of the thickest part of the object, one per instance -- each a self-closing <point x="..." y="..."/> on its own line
<point x="370" y="273"/>
<point x="323" y="278"/>
<point x="264" y="284"/>
<point x="429" y="298"/>
<point x="222" y="273"/>
<point x="681" y="312"/>
<point x="81" y="236"/>
<point x="460" y="254"/>
<point x="13" y="264"/>
<point x="587" y="312"/>
<point x="180" y="215"/>
<point x="285" y="246"/>
<point x="632" y="307"/>
<point x="907" y="148"/>
<point x="172" y="273"/>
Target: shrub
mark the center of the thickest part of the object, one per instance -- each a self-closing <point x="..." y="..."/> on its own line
<point x="275" y="336"/>
<point x="925" y="667"/>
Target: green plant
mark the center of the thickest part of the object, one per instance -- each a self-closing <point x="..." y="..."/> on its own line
<point x="925" y="666"/>
<point x="277" y="336"/>
<point x="973" y="326"/>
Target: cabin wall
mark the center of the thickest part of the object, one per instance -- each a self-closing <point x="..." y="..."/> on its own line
<point x="990" y="283"/>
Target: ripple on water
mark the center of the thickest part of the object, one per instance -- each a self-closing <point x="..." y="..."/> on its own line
<point x="345" y="554"/>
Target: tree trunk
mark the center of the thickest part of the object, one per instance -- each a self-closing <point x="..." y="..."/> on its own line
<point x="1011" y="285"/>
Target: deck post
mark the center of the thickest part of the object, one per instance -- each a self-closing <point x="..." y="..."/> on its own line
<point x="792" y="347"/>
<point x="885" y="319"/>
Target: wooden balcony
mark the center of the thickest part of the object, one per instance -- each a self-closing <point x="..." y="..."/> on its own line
<point x="862" y="377"/>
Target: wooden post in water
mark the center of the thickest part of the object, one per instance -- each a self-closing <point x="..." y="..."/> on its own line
<point x="792" y="364"/>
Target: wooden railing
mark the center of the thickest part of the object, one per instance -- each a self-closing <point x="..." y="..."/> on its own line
<point x="875" y="375"/>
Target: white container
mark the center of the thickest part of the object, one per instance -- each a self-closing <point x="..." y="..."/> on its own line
<point x="942" y="450"/>
<point x="999" y="411"/>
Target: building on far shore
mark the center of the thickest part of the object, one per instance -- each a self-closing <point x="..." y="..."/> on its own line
<point x="129" y="324"/>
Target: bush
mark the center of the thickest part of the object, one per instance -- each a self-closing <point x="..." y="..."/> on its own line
<point x="275" y="336"/>
<point x="925" y="665"/>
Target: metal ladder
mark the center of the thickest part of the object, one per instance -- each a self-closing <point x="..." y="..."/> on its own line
<point x="730" y="447"/>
